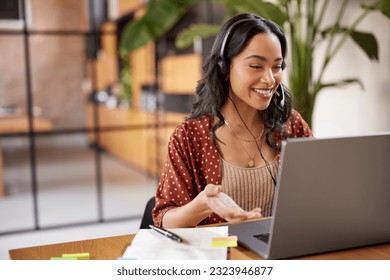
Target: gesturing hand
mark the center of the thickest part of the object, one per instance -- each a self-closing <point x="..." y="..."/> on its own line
<point x="224" y="206"/>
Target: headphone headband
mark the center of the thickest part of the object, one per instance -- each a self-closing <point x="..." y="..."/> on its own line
<point x="225" y="38"/>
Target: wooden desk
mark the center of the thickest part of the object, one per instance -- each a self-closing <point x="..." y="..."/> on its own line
<point x="18" y="124"/>
<point x="111" y="248"/>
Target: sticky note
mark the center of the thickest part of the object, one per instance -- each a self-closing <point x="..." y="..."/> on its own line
<point x="228" y="241"/>
<point x="78" y="256"/>
<point x="61" y="258"/>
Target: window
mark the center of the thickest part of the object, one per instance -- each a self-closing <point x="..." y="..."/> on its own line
<point x="11" y="14"/>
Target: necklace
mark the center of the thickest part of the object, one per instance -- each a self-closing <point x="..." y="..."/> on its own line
<point x="242" y="138"/>
<point x="251" y="162"/>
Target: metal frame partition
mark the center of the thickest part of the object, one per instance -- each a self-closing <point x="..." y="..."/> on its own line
<point x="94" y="35"/>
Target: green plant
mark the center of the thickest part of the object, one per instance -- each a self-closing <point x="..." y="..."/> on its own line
<point x="305" y="30"/>
<point x="159" y="17"/>
<point x="302" y="20"/>
<point x="125" y="80"/>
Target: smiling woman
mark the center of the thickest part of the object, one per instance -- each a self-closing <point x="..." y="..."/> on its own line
<point x="230" y="142"/>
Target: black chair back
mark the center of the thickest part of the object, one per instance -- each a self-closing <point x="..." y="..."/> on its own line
<point x="147" y="217"/>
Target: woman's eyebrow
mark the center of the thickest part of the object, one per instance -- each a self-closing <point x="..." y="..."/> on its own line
<point x="262" y="58"/>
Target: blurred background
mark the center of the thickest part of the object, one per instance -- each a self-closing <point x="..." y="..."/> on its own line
<point x="89" y="95"/>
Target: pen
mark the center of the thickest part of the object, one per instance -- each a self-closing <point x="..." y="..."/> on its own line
<point x="167" y="233"/>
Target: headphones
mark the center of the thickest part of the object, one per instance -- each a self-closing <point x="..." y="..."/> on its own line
<point x="222" y="65"/>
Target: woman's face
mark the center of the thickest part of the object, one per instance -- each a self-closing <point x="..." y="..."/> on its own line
<point x="256" y="72"/>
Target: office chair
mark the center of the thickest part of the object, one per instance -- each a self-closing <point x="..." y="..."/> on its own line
<point x="147" y="216"/>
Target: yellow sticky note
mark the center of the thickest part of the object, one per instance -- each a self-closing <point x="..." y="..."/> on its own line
<point x="228" y="241"/>
<point x="225" y="238"/>
<point x="78" y="256"/>
<point x="61" y="258"/>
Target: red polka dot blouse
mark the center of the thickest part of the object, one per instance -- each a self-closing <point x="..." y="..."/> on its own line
<point x="193" y="162"/>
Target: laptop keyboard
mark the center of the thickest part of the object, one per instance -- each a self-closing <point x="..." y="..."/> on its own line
<point x="262" y="237"/>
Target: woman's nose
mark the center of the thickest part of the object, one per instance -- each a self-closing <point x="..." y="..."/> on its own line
<point x="267" y="78"/>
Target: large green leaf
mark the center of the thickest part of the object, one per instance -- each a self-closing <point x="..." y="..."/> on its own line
<point x="384" y="7"/>
<point x="381" y="5"/>
<point x="367" y="43"/>
<point x="262" y="8"/>
<point x="342" y="83"/>
<point x="268" y="10"/>
<point x="160" y="16"/>
<point x="186" y="37"/>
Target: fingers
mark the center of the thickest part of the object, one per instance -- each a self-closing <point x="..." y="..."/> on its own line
<point x="233" y="215"/>
<point x="243" y="216"/>
<point x="254" y="214"/>
<point x="239" y="219"/>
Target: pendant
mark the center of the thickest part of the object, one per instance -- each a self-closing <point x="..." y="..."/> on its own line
<point x="251" y="163"/>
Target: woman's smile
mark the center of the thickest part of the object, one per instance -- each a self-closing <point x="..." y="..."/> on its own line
<point x="264" y="92"/>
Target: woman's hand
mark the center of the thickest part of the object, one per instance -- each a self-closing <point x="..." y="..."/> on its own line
<point x="224" y="206"/>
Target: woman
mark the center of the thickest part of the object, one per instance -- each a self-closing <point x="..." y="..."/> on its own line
<point x="223" y="160"/>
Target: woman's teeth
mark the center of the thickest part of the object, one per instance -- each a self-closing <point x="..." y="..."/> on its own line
<point x="265" y="92"/>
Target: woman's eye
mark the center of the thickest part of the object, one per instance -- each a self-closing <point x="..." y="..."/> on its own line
<point x="255" y="66"/>
<point x="278" y="67"/>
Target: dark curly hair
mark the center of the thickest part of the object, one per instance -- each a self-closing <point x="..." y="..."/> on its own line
<point x="213" y="89"/>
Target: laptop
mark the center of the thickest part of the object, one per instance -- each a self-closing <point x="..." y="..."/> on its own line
<point x="331" y="194"/>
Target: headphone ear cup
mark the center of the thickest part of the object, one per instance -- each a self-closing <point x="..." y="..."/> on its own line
<point x="282" y="98"/>
<point x="222" y="67"/>
<point x="220" y="64"/>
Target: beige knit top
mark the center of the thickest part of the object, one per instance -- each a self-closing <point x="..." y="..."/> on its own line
<point x="250" y="187"/>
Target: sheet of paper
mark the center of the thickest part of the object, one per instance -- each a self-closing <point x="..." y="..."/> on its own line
<point x="150" y="245"/>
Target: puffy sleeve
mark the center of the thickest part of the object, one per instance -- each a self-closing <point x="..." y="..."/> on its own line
<point x="296" y="126"/>
<point x="177" y="184"/>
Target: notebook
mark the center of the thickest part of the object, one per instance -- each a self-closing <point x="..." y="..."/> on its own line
<point x="331" y="194"/>
<point x="149" y="245"/>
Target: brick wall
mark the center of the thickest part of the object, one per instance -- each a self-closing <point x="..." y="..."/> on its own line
<point x="57" y="63"/>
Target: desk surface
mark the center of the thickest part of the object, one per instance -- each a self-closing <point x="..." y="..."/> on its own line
<point x="20" y="123"/>
<point x="110" y="248"/>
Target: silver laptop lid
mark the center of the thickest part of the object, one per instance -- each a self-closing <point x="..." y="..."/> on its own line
<point x="332" y="194"/>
